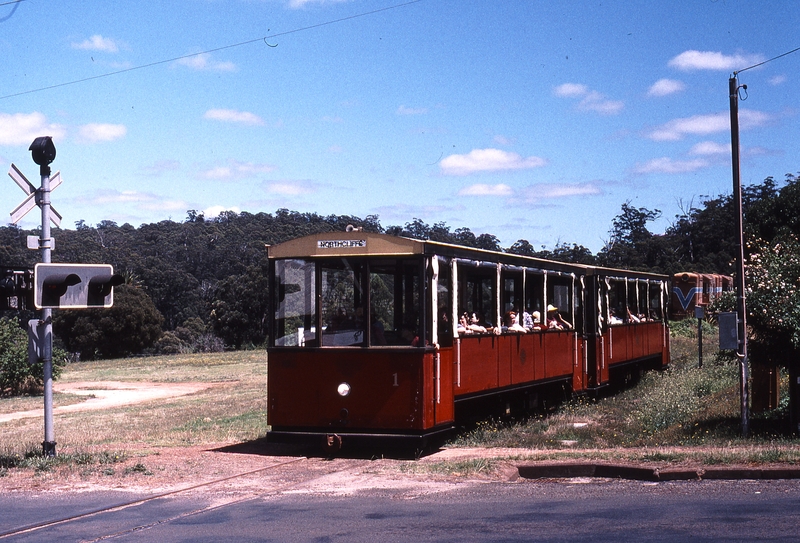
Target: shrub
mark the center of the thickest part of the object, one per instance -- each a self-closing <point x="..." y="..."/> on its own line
<point x="17" y="376"/>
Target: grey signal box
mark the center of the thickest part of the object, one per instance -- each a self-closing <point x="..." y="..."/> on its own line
<point x="728" y="330"/>
<point x="74" y="286"/>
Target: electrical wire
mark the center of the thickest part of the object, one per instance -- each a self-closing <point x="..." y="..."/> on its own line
<point x="208" y="51"/>
<point x="16" y="5"/>
<point x="764" y="62"/>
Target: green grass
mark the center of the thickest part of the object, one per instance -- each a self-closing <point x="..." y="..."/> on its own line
<point x="684" y="406"/>
<point x="682" y="415"/>
<point x="232" y="410"/>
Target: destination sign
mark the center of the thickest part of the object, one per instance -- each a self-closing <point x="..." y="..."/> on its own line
<point x="341" y="243"/>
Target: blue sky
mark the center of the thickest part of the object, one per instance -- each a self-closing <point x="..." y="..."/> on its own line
<point x="528" y="120"/>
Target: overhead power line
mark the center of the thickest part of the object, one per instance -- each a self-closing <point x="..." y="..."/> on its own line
<point x="208" y="51"/>
<point x="764" y="62"/>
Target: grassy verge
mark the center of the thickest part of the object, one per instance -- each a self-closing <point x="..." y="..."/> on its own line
<point x="680" y="416"/>
<point x="686" y="414"/>
<point x="232" y="410"/>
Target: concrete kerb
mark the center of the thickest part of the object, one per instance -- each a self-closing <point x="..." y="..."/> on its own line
<point x="548" y="470"/>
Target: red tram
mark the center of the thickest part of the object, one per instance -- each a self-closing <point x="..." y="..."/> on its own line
<point x="380" y="337"/>
<point x="690" y="290"/>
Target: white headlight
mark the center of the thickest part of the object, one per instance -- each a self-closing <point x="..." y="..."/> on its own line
<point x="343" y="390"/>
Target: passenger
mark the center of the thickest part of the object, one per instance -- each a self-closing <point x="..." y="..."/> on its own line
<point x="614" y="318"/>
<point x="445" y="334"/>
<point x="409" y="336"/>
<point x="377" y="331"/>
<point x="511" y="325"/>
<point x="527" y="320"/>
<point x="475" y="324"/>
<point x="536" y="318"/>
<point x="632" y="318"/>
<point x="555" y="321"/>
<point x="463" y="324"/>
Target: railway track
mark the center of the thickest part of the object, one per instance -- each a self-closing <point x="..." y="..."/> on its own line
<point x="281" y="477"/>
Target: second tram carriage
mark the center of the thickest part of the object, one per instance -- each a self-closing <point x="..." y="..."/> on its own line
<point x="379" y="337"/>
<point x="691" y="290"/>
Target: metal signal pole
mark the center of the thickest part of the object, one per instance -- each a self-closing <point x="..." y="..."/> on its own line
<point x="744" y="376"/>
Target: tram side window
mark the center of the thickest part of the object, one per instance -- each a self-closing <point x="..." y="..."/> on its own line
<point x="395" y="302"/>
<point x="341" y="303"/>
<point x="534" y="294"/>
<point x="476" y="296"/>
<point x="632" y="310"/>
<point x="558" y="295"/>
<point x="642" y="299"/>
<point x="617" y="303"/>
<point x="295" y="316"/>
<point x="656" y="307"/>
<point x="444" y="302"/>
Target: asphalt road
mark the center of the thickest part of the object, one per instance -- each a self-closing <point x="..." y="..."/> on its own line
<point x="564" y="511"/>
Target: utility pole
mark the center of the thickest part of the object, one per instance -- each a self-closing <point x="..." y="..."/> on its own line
<point x="741" y="307"/>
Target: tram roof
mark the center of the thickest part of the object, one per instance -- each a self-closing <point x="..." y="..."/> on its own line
<point x="371" y="244"/>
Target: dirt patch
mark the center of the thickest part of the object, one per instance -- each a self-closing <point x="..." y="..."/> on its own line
<point x="105" y="394"/>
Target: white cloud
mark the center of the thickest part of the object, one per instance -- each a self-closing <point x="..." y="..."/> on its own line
<point x="676" y="129"/>
<point x="215" y="211"/>
<point x="203" y="62"/>
<point x="95" y="132"/>
<point x="545" y="191"/>
<point x="664" y="87"/>
<point x="487" y="160"/>
<point x="591" y="100"/>
<point x="486" y="190"/>
<point x="289" y="188"/>
<point x="233" y="116"/>
<point x="23" y="128"/>
<point x="667" y="165"/>
<point x="777" y="80"/>
<point x="594" y="101"/>
<point x="710" y="148"/>
<point x="712" y="60"/>
<point x="97" y="43"/>
<point x="133" y="199"/>
<point x="571" y="90"/>
<point x="403" y="110"/>
<point x="162" y="166"/>
<point x="236" y="169"/>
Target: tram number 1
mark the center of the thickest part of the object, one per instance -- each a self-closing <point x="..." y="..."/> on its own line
<point x="394" y="380"/>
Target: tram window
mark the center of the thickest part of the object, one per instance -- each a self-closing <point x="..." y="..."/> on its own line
<point x="642" y="300"/>
<point x="341" y="303"/>
<point x="382" y="313"/>
<point x="394" y="301"/>
<point x="617" y="302"/>
<point x="656" y="310"/>
<point x="476" y="294"/>
<point x="558" y="295"/>
<point x="632" y="309"/>
<point x="295" y="316"/>
<point x="444" y="303"/>
<point x="534" y="293"/>
<point x="512" y="292"/>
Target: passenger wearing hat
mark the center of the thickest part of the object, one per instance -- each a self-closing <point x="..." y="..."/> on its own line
<point x="555" y="321"/>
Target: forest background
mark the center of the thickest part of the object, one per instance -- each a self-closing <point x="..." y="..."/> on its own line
<point x="201" y="284"/>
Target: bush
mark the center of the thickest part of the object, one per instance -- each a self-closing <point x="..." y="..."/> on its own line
<point x="17" y="376"/>
<point x="132" y="325"/>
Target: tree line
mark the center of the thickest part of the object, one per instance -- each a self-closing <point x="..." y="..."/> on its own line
<point x="201" y="284"/>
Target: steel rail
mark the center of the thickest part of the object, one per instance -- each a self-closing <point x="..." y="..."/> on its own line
<point x="118" y="507"/>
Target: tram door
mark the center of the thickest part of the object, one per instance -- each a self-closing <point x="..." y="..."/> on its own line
<point x="442" y="330"/>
